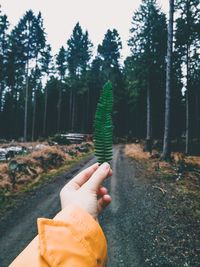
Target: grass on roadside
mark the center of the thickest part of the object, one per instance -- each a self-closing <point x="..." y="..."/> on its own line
<point x="9" y="196"/>
<point x="181" y="175"/>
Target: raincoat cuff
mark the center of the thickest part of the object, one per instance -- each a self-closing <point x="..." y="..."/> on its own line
<point x="72" y="227"/>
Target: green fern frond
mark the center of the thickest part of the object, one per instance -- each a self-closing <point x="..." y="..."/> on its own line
<point x="103" y="133"/>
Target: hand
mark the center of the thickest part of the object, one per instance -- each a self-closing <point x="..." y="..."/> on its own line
<point x="85" y="190"/>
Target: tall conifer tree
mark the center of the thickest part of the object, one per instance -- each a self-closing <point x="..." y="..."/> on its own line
<point x="148" y="46"/>
<point x="166" y="140"/>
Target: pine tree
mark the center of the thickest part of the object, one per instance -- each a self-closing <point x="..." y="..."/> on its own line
<point x="26" y="24"/>
<point x="187" y="43"/>
<point x="78" y="57"/>
<point x="13" y="75"/>
<point x="166" y="140"/>
<point x="148" y="44"/>
<point x="29" y="37"/>
<point x="95" y="84"/>
<point x="46" y="68"/>
<point x="35" y="84"/>
<point x="52" y="87"/>
<point x="109" y="53"/>
<point x="40" y="42"/>
<point x="61" y="66"/>
<point x="136" y="95"/>
<point x="4" y="24"/>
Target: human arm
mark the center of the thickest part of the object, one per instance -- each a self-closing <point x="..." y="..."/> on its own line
<point x="74" y="237"/>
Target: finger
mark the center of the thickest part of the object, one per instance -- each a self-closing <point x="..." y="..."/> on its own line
<point x="110" y="173"/>
<point x="98" y="177"/>
<point x="82" y="177"/>
<point x="102" y="191"/>
<point x="104" y="202"/>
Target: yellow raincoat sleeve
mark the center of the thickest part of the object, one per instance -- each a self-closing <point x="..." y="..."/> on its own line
<point x="72" y="239"/>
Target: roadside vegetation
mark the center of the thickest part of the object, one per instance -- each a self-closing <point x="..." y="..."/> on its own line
<point x="174" y="185"/>
<point x="182" y="172"/>
<point x="39" y="163"/>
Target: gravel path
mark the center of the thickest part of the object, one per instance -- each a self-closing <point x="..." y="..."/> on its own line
<point x="140" y="229"/>
<point x="144" y="226"/>
<point x="118" y="219"/>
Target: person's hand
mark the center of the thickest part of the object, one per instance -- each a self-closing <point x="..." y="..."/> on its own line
<point x="85" y="190"/>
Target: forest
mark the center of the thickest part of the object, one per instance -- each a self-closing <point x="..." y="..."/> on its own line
<point x="42" y="94"/>
<point x="63" y="112"/>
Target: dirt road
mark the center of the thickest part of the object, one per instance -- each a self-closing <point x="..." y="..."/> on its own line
<point x="144" y="226"/>
<point x="135" y="223"/>
<point x="18" y="226"/>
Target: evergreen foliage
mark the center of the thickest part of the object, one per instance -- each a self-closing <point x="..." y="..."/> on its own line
<point x="187" y="45"/>
<point x="103" y="125"/>
<point x="146" y="67"/>
<point x="109" y="53"/>
<point x="78" y="56"/>
<point x="44" y="93"/>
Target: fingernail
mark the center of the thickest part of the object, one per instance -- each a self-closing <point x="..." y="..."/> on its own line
<point x="105" y="166"/>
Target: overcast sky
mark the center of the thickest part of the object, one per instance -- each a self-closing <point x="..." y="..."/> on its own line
<point x="96" y="16"/>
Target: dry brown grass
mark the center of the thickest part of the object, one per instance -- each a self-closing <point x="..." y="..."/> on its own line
<point x="178" y="157"/>
<point x="47" y="159"/>
<point x="136" y="151"/>
<point x="193" y="160"/>
<point x="45" y="152"/>
<point x="183" y="170"/>
<point x="3" y="168"/>
<point x="4" y="176"/>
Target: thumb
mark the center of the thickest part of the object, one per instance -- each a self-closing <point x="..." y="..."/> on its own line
<point x="98" y="177"/>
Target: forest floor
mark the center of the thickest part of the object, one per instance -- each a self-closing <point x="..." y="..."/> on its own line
<point x="153" y="220"/>
<point x="174" y="235"/>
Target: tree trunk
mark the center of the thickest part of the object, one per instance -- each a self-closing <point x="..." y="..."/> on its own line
<point x="73" y="111"/>
<point x="45" y="112"/>
<point x="1" y="92"/>
<point x="34" y="115"/>
<point x="59" y="107"/>
<point x="3" y="45"/>
<point x="26" y="103"/>
<point x="187" y="132"/>
<point x="197" y="118"/>
<point x="166" y="140"/>
<point x="187" y="103"/>
<point x="70" y="108"/>
<point x="27" y="86"/>
<point x="148" y="137"/>
<point x="148" y="145"/>
<point x="87" y="121"/>
<point x="34" y="105"/>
